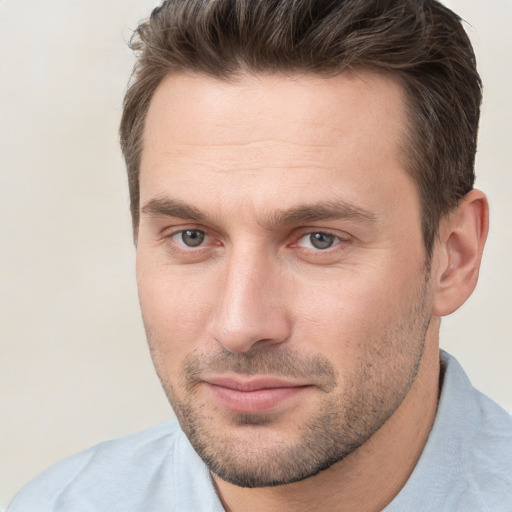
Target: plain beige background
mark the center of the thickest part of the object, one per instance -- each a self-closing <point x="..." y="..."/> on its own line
<point x="74" y="368"/>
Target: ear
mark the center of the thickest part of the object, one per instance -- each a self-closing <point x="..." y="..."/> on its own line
<point x="458" y="253"/>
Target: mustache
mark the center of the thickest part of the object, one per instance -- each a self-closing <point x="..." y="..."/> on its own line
<point x="275" y="362"/>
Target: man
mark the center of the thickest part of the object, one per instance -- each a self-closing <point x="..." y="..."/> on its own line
<point x="301" y="180"/>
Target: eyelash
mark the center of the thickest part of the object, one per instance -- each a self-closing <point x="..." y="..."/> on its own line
<point x="181" y="247"/>
<point x="338" y="239"/>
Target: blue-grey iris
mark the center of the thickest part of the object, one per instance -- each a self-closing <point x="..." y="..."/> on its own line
<point x="321" y="240"/>
<point x="192" y="237"/>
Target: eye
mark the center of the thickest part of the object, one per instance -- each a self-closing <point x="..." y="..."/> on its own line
<point x="319" y="240"/>
<point x="190" y="237"/>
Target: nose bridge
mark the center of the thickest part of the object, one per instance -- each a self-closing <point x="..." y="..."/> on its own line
<point x="248" y="310"/>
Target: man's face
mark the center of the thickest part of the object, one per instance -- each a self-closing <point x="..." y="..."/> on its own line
<point x="280" y="266"/>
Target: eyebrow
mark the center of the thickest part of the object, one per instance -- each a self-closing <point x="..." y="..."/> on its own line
<point x="167" y="207"/>
<point x="329" y="210"/>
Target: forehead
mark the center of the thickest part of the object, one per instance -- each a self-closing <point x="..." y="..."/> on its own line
<point x="198" y="107"/>
<point x="273" y="134"/>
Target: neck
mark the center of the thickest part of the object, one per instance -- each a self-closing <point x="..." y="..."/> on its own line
<point x="370" y="477"/>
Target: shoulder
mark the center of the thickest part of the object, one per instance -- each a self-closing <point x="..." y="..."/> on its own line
<point x="486" y="427"/>
<point x="484" y="431"/>
<point x="105" y="473"/>
<point x="488" y="462"/>
<point x="466" y="464"/>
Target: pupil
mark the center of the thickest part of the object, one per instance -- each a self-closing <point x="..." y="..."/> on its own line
<point x="321" y="240"/>
<point x="192" y="237"/>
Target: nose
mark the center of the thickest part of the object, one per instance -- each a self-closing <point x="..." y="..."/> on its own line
<point x="249" y="311"/>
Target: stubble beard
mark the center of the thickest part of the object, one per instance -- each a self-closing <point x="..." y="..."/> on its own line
<point x="253" y="456"/>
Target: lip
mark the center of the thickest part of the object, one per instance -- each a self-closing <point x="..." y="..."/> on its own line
<point x="252" y="396"/>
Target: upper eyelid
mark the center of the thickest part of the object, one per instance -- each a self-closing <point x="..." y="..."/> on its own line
<point x="326" y="231"/>
<point x="181" y="230"/>
<point x="341" y="235"/>
<point x="174" y="230"/>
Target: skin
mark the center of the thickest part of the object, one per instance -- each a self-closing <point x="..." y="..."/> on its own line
<point x="250" y="170"/>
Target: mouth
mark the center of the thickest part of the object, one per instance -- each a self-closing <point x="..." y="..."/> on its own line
<point x="255" y="395"/>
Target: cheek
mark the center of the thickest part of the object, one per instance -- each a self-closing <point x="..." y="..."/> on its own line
<point x="175" y="310"/>
<point x="356" y="310"/>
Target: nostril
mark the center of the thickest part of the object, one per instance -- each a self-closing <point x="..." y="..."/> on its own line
<point x="249" y="333"/>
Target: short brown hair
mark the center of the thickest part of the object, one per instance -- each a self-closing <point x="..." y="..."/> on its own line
<point x="421" y="42"/>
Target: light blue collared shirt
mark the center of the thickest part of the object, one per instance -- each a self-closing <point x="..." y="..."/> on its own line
<point x="466" y="466"/>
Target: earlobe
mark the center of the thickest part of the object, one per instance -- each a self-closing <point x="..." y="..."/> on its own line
<point x="458" y="253"/>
